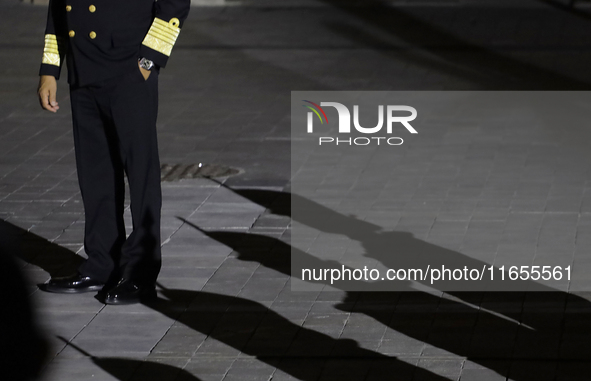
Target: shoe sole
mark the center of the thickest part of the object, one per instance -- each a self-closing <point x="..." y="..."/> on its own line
<point x="61" y="290"/>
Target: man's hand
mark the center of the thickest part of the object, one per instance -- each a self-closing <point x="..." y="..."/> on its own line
<point x="145" y="73"/>
<point x="47" y="92"/>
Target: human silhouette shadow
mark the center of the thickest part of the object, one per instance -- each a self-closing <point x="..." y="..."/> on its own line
<point x="135" y="370"/>
<point x="24" y="348"/>
<point x="276" y="254"/>
<point x="472" y="331"/>
<point x="455" y="55"/>
<point x="255" y="330"/>
<point x="494" y="329"/>
<point x="394" y="249"/>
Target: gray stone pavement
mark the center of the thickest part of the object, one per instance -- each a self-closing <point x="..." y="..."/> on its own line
<point x="226" y="310"/>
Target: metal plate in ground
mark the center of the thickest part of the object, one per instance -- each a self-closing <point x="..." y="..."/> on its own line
<point x="176" y="172"/>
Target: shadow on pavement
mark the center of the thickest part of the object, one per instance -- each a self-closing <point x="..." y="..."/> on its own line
<point x="54" y="259"/>
<point x="136" y="370"/>
<point x="255" y="330"/>
<point x="247" y="326"/>
<point x="526" y="336"/>
<point x="24" y="349"/>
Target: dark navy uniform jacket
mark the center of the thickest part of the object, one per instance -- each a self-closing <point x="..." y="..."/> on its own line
<point x="102" y="39"/>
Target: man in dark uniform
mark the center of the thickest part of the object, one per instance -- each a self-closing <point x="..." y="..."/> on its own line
<point x="114" y="51"/>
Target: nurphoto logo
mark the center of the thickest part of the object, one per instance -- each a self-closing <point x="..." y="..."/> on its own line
<point x="393" y="115"/>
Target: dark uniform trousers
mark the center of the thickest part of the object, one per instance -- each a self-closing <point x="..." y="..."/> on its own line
<point x="115" y="133"/>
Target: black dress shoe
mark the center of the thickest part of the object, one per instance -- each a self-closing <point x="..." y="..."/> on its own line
<point x="73" y="284"/>
<point x="129" y="292"/>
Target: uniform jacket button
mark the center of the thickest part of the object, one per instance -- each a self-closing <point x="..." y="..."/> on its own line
<point x="92" y="35"/>
<point x="92" y="8"/>
<point x="68" y="8"/>
<point x="72" y="33"/>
